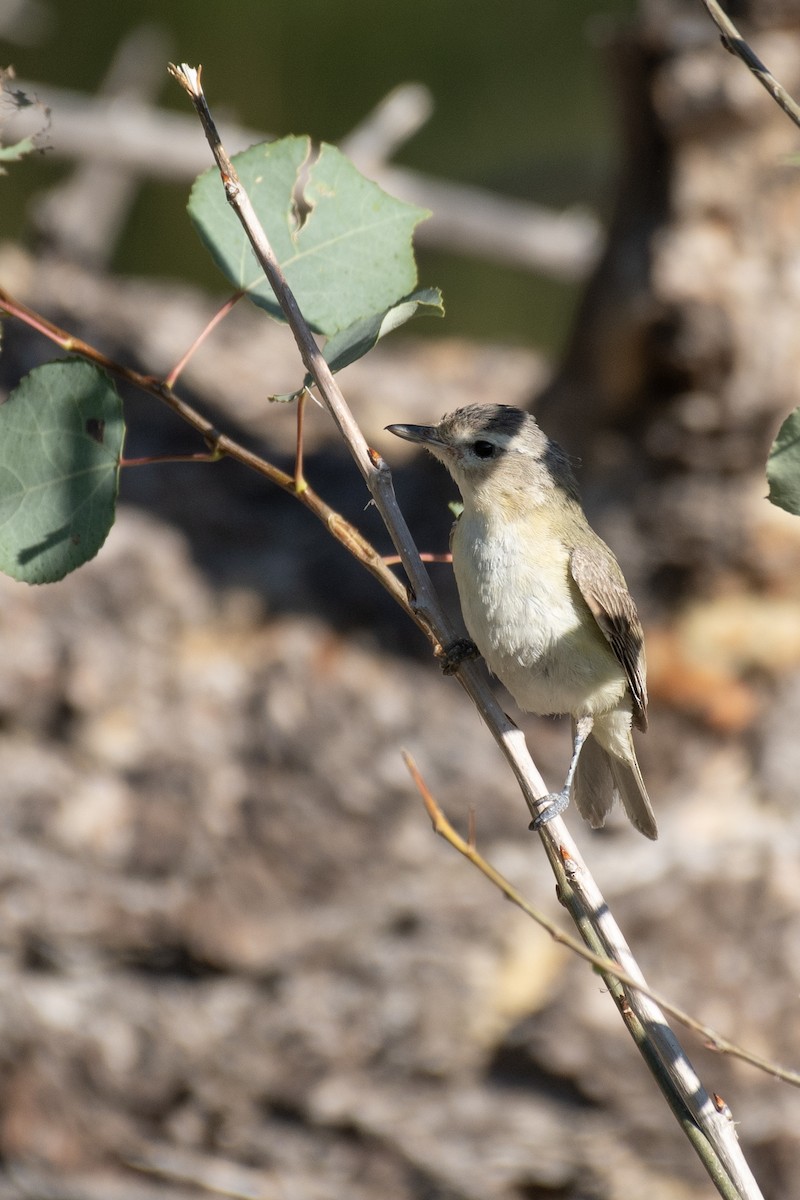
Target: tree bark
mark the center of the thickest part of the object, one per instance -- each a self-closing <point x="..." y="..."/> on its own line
<point x="684" y="357"/>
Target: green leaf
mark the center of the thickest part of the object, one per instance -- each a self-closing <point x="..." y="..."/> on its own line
<point x="343" y="244"/>
<point x="61" y="434"/>
<point x="359" y="338"/>
<point x="783" y="465"/>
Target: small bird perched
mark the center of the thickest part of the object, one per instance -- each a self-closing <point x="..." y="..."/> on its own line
<point x="544" y="599"/>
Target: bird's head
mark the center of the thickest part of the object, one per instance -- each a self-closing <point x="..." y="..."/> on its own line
<point x="492" y="451"/>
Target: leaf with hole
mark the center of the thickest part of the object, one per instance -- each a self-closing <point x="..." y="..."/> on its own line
<point x="344" y="245"/>
<point x="783" y="465"/>
<point x="61" y="435"/>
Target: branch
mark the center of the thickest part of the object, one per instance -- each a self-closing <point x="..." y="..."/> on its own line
<point x="220" y="445"/>
<point x="733" y="41"/>
<point x="218" y="316"/>
<point x="607" y="966"/>
<point x="711" y="1132"/>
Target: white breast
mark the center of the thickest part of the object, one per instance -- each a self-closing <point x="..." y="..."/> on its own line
<point x="526" y="616"/>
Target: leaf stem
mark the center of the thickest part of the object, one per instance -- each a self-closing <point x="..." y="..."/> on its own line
<point x="219" y="316"/>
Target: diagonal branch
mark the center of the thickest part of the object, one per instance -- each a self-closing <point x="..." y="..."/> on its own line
<point x="220" y="445"/>
<point x="733" y="41"/>
<point x="711" y="1132"/>
<point x="467" y="849"/>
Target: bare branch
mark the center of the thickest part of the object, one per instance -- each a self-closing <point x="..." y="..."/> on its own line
<point x="220" y="445"/>
<point x="218" y="316"/>
<point x="711" y="1132"/>
<point x="715" y="1041"/>
<point x="733" y="41"/>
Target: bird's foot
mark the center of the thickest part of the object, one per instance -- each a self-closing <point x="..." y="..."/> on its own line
<point x="451" y="657"/>
<point x="556" y="802"/>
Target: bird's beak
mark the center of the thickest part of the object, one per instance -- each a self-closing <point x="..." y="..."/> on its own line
<point x="428" y="435"/>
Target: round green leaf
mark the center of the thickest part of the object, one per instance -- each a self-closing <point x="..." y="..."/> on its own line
<point x="61" y="434"/>
<point x="343" y="243"/>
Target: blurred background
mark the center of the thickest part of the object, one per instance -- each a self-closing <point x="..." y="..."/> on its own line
<point x="235" y="960"/>
<point x="521" y="106"/>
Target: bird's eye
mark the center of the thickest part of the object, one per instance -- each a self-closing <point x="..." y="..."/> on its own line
<point x="483" y="449"/>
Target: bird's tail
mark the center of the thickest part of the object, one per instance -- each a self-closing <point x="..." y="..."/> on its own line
<point x="601" y="776"/>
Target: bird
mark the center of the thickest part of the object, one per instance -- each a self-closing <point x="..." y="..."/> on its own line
<point x="545" y="601"/>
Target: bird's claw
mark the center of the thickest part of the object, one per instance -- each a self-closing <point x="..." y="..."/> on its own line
<point x="556" y="804"/>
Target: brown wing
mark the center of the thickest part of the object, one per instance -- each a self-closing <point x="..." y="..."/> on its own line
<point x="602" y="585"/>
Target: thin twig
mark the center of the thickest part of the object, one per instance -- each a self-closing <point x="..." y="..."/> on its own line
<point x="393" y="560"/>
<point x="219" y="315"/>
<point x="733" y="41"/>
<point x="157" y="460"/>
<point x="300" y="483"/>
<point x="714" y="1040"/>
<point x="711" y="1132"/>
<point x="220" y="445"/>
